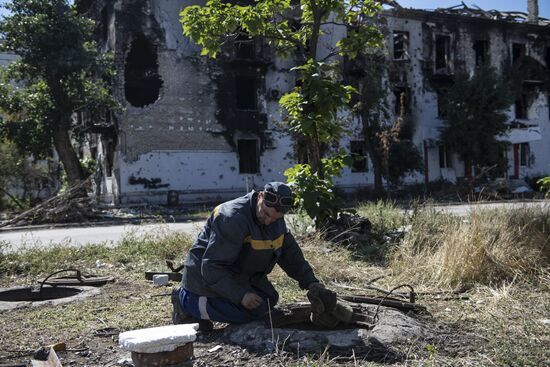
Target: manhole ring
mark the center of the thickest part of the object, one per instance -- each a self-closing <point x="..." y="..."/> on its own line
<point x="20" y="297"/>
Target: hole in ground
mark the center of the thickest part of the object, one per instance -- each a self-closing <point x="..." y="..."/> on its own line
<point x="28" y="294"/>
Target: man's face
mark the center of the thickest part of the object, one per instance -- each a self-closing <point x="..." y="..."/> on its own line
<point x="264" y="213"/>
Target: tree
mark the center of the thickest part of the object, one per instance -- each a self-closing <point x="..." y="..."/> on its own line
<point x="476" y="116"/>
<point x="295" y="29"/>
<point x="388" y="143"/>
<point x="59" y="72"/>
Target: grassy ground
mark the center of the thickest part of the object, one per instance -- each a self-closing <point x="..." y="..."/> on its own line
<point x="498" y="260"/>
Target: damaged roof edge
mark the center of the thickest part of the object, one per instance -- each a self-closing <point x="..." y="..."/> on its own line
<point x="514" y="17"/>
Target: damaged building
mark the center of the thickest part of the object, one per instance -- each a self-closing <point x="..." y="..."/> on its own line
<point x="194" y="129"/>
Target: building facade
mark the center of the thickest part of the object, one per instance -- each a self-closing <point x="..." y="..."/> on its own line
<point x="196" y="130"/>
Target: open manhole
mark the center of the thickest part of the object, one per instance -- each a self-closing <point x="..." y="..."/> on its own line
<point x="45" y="294"/>
<point x="19" y="297"/>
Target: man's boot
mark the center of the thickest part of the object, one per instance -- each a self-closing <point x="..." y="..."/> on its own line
<point x="180" y="316"/>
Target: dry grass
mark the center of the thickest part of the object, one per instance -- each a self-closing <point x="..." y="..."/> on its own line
<point x="503" y="256"/>
<point x="485" y="247"/>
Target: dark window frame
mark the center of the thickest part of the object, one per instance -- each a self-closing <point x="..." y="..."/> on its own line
<point x="482" y="54"/>
<point x="521" y="107"/>
<point x="248" y="164"/>
<point x="246" y="92"/>
<point x="445" y="158"/>
<point x="524" y="155"/>
<point x="442" y="53"/>
<point x="401" y="45"/>
<point x="357" y="149"/>
<point x="442" y="103"/>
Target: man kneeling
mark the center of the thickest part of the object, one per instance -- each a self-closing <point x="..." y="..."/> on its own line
<point x="225" y="273"/>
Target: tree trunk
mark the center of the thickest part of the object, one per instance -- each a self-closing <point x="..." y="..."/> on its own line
<point x="314" y="152"/>
<point x="68" y="157"/>
<point x="371" y="141"/>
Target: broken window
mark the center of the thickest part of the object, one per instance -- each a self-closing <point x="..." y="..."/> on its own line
<point x="547" y="57"/>
<point x="359" y="155"/>
<point x="109" y="152"/>
<point x="249" y="160"/>
<point x="442" y="53"/>
<point x="442" y="103"/>
<point x="245" y="92"/>
<point x="142" y="82"/>
<point x="245" y="47"/>
<point x="524" y="154"/>
<point x="444" y="157"/>
<point x="400" y="45"/>
<point x="521" y="107"/>
<point x="402" y="104"/>
<point x="104" y="24"/>
<point x="481" y="48"/>
<point x="518" y="51"/>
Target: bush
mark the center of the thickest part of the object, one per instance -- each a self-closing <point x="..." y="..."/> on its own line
<point x="544" y="185"/>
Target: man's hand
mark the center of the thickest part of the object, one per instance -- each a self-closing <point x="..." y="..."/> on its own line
<point x="251" y="300"/>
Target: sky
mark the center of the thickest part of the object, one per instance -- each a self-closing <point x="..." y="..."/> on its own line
<point x="502" y="5"/>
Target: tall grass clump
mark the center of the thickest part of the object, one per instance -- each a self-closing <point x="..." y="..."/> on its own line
<point x="487" y="246"/>
<point x="383" y="215"/>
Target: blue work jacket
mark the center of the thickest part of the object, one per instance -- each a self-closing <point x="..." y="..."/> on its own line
<point x="234" y="253"/>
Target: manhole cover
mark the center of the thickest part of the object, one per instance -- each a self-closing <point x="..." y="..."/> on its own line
<point x="14" y="298"/>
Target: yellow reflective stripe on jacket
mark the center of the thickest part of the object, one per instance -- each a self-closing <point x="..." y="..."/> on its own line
<point x="265" y="244"/>
<point x="216" y="210"/>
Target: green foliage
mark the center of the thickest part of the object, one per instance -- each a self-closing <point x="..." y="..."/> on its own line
<point x="314" y="194"/>
<point x="544" y="184"/>
<point x="89" y="166"/>
<point x="293" y="29"/>
<point x="287" y="26"/>
<point x="403" y="158"/>
<point x="312" y="107"/>
<point x="59" y="72"/>
<point x="476" y="116"/>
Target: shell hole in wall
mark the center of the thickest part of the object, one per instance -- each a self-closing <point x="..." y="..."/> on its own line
<point x="142" y="82"/>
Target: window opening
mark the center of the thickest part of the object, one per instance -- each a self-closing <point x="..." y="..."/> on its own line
<point x="518" y="51"/>
<point x="481" y="48"/>
<point x="104" y="24"/>
<point x="245" y="92"/>
<point x="359" y="155"/>
<point x="521" y="107"/>
<point x="444" y="157"/>
<point x="442" y="53"/>
<point x="400" y="45"/>
<point x="442" y="103"/>
<point x="249" y="160"/>
<point x="245" y="47"/>
<point x="142" y="82"/>
<point x="524" y="154"/>
<point x="402" y="103"/>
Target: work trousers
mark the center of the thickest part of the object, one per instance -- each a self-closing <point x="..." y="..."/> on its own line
<point x="223" y="310"/>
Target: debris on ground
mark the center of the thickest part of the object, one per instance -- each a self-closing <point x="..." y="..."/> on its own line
<point x="70" y="206"/>
<point x="348" y="229"/>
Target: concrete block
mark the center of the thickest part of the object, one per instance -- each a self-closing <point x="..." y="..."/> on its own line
<point x="158" y="339"/>
<point x="160" y="279"/>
